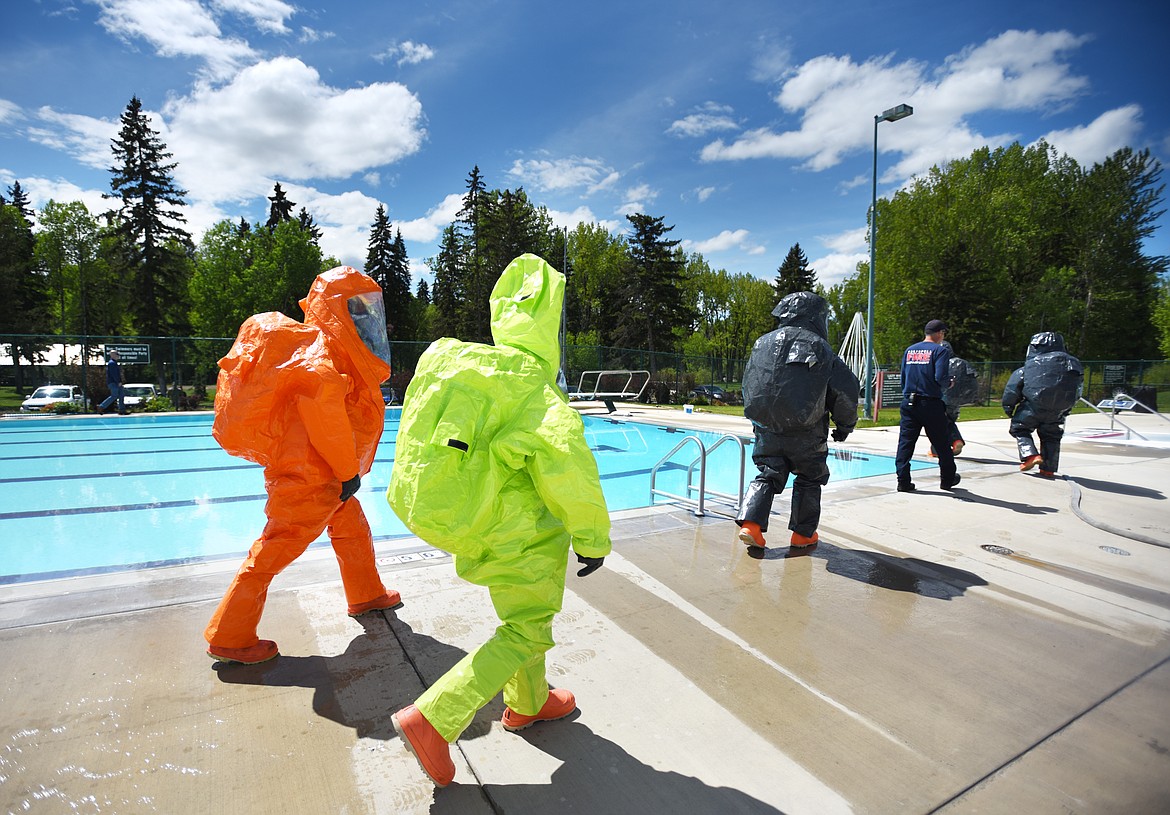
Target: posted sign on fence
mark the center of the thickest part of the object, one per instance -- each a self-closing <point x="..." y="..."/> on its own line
<point x="130" y="353"/>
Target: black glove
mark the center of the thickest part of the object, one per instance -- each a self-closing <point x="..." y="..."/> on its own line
<point x="592" y="564"/>
<point x="348" y="488"/>
<point x="841" y="433"/>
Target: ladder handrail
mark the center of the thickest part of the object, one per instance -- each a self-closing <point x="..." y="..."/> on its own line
<point x="1113" y="418"/>
<point x="1123" y="395"/>
<point x="736" y="501"/>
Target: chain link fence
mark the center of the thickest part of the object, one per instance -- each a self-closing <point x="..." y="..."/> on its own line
<point x="184" y="368"/>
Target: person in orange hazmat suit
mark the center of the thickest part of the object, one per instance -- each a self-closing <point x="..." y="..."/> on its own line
<point x="303" y="400"/>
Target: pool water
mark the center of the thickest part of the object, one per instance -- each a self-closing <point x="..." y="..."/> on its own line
<point x="95" y="494"/>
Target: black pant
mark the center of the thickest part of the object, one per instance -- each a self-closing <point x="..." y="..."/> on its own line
<point x="930" y="415"/>
<point x="803" y="454"/>
<point x="1050" y="434"/>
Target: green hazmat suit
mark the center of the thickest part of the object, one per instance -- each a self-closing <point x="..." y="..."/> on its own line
<point x="492" y="466"/>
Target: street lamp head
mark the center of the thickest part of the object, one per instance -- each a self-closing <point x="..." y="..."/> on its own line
<point x="895" y="113"/>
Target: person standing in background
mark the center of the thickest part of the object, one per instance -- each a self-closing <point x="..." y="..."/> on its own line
<point x="925" y="375"/>
<point x="114" y="383"/>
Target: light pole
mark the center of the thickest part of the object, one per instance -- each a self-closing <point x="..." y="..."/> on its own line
<point x="891" y="115"/>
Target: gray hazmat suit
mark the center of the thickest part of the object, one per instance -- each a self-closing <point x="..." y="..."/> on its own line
<point x="793" y="383"/>
<point x="1039" y="395"/>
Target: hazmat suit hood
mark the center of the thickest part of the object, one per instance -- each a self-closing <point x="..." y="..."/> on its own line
<point x="526" y="310"/>
<point x="1045" y="342"/>
<point x="804" y="309"/>
<point x="327" y="308"/>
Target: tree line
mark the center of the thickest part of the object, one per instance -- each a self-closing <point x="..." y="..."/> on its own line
<point x="1001" y="244"/>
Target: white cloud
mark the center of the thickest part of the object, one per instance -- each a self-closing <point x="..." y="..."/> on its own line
<point x="276" y="119"/>
<point x="581" y="215"/>
<point x="834" y="97"/>
<point x="1101" y="138"/>
<point x="407" y="53"/>
<point x="85" y="138"/>
<point x="176" y="28"/>
<point x="703" y="193"/>
<point x="835" y="267"/>
<point x="267" y="15"/>
<point x="42" y="190"/>
<point x="727" y="239"/>
<point x="9" y="111"/>
<point x="847" y="250"/>
<point x="588" y="174"/>
<point x="636" y="199"/>
<point x="709" y="119"/>
<point x="428" y="228"/>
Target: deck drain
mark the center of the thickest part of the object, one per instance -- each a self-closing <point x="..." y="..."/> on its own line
<point x="1113" y="550"/>
<point x="996" y="550"/>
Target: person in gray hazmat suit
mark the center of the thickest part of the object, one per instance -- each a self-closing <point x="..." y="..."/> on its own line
<point x="792" y="384"/>
<point x="961" y="389"/>
<point x="1038" y="396"/>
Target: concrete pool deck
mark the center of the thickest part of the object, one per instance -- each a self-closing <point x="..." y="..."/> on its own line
<point x="898" y="666"/>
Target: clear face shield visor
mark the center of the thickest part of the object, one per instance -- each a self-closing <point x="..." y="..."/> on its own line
<point x="369" y="318"/>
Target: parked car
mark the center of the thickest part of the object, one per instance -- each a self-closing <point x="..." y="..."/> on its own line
<point x="136" y="393"/>
<point x="46" y="395"/>
<point x="711" y="392"/>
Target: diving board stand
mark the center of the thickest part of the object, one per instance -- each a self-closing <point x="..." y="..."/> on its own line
<point x="606" y="386"/>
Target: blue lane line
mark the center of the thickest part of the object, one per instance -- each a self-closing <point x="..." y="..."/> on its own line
<point x="115" y="453"/>
<point x="9" y="579"/>
<point x="104" y="440"/>
<point x="52" y="513"/>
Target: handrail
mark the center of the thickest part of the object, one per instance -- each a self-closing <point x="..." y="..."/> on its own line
<point x="596" y="393"/>
<point x="1113" y="418"/>
<point x="735" y="501"/>
<point x="1154" y="410"/>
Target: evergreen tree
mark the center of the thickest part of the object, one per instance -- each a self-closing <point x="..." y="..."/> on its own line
<point x="151" y="244"/>
<point x="653" y="289"/>
<point x="280" y="210"/>
<point x="23" y="288"/>
<point x="309" y="226"/>
<point x="423" y="292"/>
<point x="447" y="293"/>
<point x="378" y="251"/>
<point x="794" y="274"/>
<point x="17" y="198"/>
<point x="400" y="309"/>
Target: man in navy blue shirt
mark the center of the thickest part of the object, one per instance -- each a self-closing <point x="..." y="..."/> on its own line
<point x="925" y="374"/>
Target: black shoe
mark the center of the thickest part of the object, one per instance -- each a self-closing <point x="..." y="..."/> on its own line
<point x="950" y="485"/>
<point x="907" y="487"/>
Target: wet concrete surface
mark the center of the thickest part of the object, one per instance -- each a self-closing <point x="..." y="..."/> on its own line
<point x="898" y="666"/>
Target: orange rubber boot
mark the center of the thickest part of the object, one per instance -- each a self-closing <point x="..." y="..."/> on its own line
<point x="262" y="651"/>
<point x="391" y="599"/>
<point x="424" y="743"/>
<point x="1029" y="463"/>
<point x="749" y="533"/>
<point x="801" y="540"/>
<point x="560" y="704"/>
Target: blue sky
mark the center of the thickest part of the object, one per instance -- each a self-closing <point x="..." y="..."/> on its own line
<point x="745" y="124"/>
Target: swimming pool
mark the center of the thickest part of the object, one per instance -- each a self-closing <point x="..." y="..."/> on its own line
<point x="97" y="494"/>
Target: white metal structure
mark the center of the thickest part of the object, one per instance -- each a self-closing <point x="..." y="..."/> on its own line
<point x="854" y="349"/>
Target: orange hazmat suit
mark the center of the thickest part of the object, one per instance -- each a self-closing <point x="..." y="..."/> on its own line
<point x="303" y="400"/>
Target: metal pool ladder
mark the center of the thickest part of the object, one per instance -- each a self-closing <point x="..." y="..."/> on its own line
<point x="699" y="462"/>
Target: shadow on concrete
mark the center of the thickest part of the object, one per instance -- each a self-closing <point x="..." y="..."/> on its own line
<point x="964" y="494"/>
<point x="906" y="574"/>
<point x="1118" y="489"/>
<point x="597" y="775"/>
<point x="361" y="687"/>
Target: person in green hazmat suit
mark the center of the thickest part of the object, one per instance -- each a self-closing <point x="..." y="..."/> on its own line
<point x="492" y="466"/>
